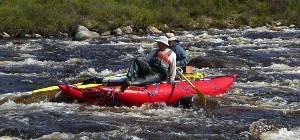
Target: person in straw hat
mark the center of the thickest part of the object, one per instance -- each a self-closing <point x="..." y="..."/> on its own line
<point x="181" y="57"/>
<point x="158" y="65"/>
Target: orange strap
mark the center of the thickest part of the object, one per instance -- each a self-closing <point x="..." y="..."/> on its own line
<point x="164" y="56"/>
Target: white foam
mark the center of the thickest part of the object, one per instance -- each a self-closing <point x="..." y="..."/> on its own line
<point x="258" y="29"/>
<point x="74" y="61"/>
<point x="106" y="72"/>
<point x="25" y="74"/>
<point x="8" y="138"/>
<point x="58" y="135"/>
<point x="29" y="61"/>
<point x="118" y="43"/>
<point x="282" y="134"/>
<point x="27" y="47"/>
<point x="275" y="101"/>
<point x="91" y="72"/>
<point x="8" y="45"/>
<point x="188" y="36"/>
<point x="75" y="43"/>
<point x="280" y="66"/>
<point x="293" y="82"/>
<point x="141" y="50"/>
<point x="16" y="94"/>
<point x="216" y="40"/>
<point x="238" y="40"/>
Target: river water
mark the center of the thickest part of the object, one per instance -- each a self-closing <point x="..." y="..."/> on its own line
<point x="264" y="103"/>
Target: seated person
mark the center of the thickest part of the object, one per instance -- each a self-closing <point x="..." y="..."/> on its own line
<point x="181" y="56"/>
<point x="158" y="65"/>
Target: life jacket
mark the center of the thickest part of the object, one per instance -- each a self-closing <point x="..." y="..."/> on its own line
<point x="160" y="63"/>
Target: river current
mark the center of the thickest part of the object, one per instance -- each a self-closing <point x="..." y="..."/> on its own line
<point x="264" y="103"/>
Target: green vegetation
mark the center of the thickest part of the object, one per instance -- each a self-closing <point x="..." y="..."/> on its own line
<point x="48" y="17"/>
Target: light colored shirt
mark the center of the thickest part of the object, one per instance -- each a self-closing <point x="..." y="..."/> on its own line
<point x="171" y="58"/>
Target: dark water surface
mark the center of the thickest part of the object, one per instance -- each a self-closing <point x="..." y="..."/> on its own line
<point x="264" y="104"/>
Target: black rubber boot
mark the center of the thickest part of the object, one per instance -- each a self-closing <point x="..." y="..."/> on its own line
<point x="92" y="81"/>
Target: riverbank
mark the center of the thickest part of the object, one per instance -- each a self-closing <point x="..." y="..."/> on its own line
<point x="37" y="18"/>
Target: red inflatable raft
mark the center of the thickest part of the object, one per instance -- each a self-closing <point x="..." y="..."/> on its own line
<point x="158" y="92"/>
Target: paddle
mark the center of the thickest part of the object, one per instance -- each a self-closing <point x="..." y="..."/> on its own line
<point x="200" y="94"/>
<point x="53" y="88"/>
<point x="92" y="82"/>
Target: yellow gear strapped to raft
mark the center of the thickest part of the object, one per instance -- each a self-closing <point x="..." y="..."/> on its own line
<point x="196" y="75"/>
<point x="190" y="74"/>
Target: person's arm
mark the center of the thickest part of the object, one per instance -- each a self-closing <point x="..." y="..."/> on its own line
<point x="183" y="58"/>
<point x="172" y="67"/>
<point x="150" y="55"/>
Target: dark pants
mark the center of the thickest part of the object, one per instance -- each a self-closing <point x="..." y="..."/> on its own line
<point x="140" y="73"/>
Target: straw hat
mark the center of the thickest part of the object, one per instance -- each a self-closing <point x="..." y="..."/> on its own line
<point x="171" y="36"/>
<point x="163" y="39"/>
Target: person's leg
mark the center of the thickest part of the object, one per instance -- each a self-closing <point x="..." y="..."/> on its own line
<point x="138" y="68"/>
<point x="150" y="78"/>
<point x="94" y="80"/>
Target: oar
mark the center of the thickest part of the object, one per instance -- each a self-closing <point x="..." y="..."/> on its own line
<point x="200" y="94"/>
<point x="53" y="88"/>
<point x="86" y="83"/>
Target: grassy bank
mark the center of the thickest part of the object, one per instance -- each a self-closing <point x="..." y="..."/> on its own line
<point x="48" y="17"/>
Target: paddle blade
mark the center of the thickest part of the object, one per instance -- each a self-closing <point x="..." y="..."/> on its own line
<point x="51" y="88"/>
<point x="88" y="86"/>
<point x="211" y="103"/>
<point x="201" y="96"/>
<point x="56" y="88"/>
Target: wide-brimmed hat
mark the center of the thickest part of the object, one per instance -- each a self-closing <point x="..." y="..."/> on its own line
<point x="163" y="39"/>
<point x="170" y="36"/>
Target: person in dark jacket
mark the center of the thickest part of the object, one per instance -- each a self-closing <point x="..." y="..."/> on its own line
<point x="181" y="57"/>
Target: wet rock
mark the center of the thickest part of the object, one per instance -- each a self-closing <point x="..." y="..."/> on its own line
<point x="94" y="34"/>
<point x="117" y="31"/>
<point x="83" y="33"/>
<point x="193" y="101"/>
<point x="277" y="29"/>
<point x="141" y="31"/>
<point x="127" y="29"/>
<point x="27" y="35"/>
<point x="154" y="30"/>
<point x="106" y="33"/>
<point x="257" y="78"/>
<point x="63" y="34"/>
<point x="278" y="23"/>
<point x="166" y="28"/>
<point x="212" y="62"/>
<point x="5" y="35"/>
<point x="206" y="62"/>
<point x="36" y="36"/>
<point x="82" y="28"/>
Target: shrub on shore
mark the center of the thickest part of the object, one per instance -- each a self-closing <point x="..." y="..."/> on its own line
<point x="48" y="17"/>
